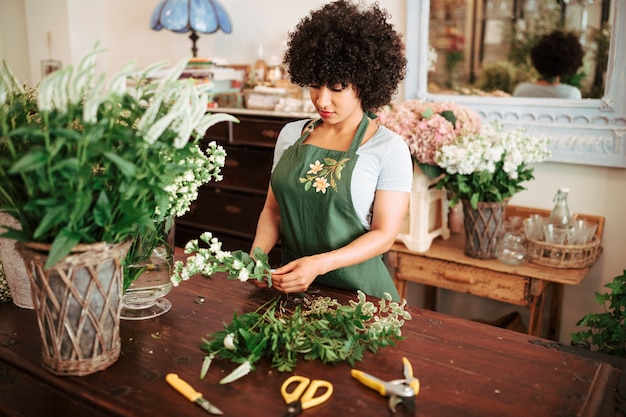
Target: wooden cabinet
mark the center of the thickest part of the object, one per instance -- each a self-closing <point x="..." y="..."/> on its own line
<point x="230" y="208"/>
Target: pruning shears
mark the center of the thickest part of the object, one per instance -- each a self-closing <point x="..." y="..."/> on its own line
<point x="399" y="391"/>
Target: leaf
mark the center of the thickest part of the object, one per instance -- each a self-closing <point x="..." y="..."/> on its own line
<point x="241" y="371"/>
<point x="61" y="247"/>
<point x="102" y="210"/>
<point x="206" y="363"/>
<point x="126" y="167"/>
<point x="31" y="161"/>
<point x="449" y="116"/>
<point x="53" y="217"/>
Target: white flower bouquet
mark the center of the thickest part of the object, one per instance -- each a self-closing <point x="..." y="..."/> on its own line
<point x="491" y="165"/>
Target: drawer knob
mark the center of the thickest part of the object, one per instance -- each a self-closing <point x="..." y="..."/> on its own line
<point x="269" y="133"/>
<point x="231" y="163"/>
<point x="458" y="276"/>
<point x="233" y="209"/>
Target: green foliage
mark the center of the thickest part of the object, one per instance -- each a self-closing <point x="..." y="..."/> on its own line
<point x="319" y="329"/>
<point x="606" y="331"/>
<point x="497" y="76"/>
<point x="85" y="161"/>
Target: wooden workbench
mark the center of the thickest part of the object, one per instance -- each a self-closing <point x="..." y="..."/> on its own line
<point x="465" y="368"/>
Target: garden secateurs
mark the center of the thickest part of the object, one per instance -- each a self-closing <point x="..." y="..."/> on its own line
<point x="399" y="391"/>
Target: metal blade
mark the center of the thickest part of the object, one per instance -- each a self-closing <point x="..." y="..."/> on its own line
<point x="407" y="402"/>
<point x="206" y="405"/>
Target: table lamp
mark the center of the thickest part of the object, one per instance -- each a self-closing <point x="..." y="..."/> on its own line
<point x="197" y="16"/>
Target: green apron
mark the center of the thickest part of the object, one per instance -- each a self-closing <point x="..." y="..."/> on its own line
<point x="312" y="187"/>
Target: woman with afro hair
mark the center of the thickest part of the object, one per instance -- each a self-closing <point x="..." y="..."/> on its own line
<point x="340" y="183"/>
<point x="556" y="55"/>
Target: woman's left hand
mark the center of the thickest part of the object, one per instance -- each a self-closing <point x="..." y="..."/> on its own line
<point x="296" y="276"/>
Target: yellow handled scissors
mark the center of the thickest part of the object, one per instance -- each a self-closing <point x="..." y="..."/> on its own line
<point x="304" y="395"/>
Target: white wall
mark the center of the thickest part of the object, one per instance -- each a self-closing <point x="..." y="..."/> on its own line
<point x="122" y="26"/>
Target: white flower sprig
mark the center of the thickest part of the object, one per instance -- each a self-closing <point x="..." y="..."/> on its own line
<point x="212" y="259"/>
<point x="204" y="167"/>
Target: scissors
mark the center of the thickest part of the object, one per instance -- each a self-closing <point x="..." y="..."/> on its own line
<point x="399" y="391"/>
<point x="304" y="395"/>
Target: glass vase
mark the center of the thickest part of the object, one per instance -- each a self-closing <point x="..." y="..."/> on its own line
<point x="148" y="271"/>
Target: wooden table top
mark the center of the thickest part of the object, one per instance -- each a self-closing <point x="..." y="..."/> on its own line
<point x="465" y="368"/>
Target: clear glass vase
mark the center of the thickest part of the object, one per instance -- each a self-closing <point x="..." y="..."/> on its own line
<point x="147" y="274"/>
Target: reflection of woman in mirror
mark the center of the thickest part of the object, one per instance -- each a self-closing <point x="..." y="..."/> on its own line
<point x="556" y="55"/>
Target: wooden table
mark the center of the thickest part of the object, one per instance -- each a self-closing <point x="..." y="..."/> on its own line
<point x="465" y="368"/>
<point x="445" y="265"/>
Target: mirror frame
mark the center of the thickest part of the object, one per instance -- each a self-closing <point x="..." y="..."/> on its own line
<point x="586" y="132"/>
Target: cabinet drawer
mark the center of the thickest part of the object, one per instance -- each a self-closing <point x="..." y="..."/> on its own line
<point x="257" y="131"/>
<point x="463" y="278"/>
<point x="219" y="132"/>
<point x="218" y="210"/>
<point x="246" y="169"/>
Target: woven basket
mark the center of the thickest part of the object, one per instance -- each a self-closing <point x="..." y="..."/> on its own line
<point x="564" y="256"/>
<point x="77" y="302"/>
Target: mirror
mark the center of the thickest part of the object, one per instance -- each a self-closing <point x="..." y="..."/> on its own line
<point x="589" y="131"/>
<point x="482" y="47"/>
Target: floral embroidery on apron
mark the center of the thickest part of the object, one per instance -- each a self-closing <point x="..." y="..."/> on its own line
<point x="321" y="176"/>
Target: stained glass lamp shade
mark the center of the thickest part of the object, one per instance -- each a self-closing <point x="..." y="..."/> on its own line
<point x="195" y="16"/>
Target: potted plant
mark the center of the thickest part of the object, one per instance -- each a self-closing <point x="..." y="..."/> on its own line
<point x="484" y="170"/>
<point x="85" y="161"/>
<point x="606" y="331"/>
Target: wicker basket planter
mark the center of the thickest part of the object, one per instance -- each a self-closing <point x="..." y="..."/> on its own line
<point x="77" y="303"/>
<point x="483" y="227"/>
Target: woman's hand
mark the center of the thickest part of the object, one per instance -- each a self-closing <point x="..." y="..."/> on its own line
<point x="297" y="275"/>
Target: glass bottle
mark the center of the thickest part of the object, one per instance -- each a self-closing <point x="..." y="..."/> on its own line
<point x="260" y="67"/>
<point x="560" y="216"/>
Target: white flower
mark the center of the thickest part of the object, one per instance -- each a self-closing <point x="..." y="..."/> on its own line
<point x="243" y="275"/>
<point x="229" y="341"/>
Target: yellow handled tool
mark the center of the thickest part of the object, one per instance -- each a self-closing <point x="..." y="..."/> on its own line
<point x="191" y="394"/>
<point x="399" y="391"/>
<point x="305" y="394"/>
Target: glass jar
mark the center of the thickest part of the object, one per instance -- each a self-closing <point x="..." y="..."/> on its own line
<point x="512" y="248"/>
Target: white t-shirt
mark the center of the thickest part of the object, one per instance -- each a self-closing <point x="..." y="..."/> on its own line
<point x="528" y="89"/>
<point x="384" y="163"/>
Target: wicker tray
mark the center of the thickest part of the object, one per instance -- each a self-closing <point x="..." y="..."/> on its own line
<point x="564" y="256"/>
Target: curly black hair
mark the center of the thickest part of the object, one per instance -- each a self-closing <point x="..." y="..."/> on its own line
<point x="344" y="43"/>
<point x="557" y="54"/>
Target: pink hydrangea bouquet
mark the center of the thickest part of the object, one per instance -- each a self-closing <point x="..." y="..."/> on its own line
<point x="427" y="126"/>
